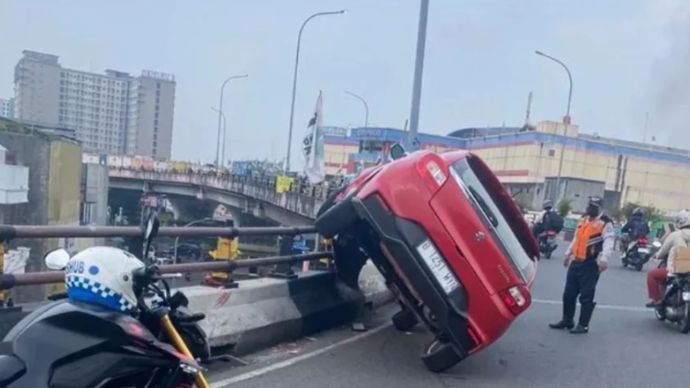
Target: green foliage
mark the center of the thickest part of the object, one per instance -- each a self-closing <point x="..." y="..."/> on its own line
<point x="564" y="206"/>
<point x="651" y="212"/>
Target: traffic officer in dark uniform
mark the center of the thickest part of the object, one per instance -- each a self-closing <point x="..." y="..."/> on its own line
<point x="586" y="258"/>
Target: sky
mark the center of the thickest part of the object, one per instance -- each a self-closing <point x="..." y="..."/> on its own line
<point x="627" y="59"/>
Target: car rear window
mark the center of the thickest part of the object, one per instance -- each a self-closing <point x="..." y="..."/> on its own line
<point x="495" y="220"/>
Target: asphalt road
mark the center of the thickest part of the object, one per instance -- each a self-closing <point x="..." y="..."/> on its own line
<point x="626" y="347"/>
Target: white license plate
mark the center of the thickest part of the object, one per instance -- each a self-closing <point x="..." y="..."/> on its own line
<point x="643" y="250"/>
<point x="438" y="266"/>
<point x="686" y="296"/>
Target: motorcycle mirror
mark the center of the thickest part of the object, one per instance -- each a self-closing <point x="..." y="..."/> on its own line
<point x="57" y="259"/>
<point x="151" y="229"/>
<point x="397" y="151"/>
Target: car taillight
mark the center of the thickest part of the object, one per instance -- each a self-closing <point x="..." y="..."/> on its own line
<point x="516" y="299"/>
<point x="432" y="169"/>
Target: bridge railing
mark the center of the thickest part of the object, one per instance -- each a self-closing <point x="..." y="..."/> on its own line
<point x="262" y="189"/>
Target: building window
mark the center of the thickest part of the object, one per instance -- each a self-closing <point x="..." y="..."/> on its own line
<point x="552" y="153"/>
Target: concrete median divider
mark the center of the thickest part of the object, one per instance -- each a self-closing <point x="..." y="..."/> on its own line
<point x="263" y="312"/>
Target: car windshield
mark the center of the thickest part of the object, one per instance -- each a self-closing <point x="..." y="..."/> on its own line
<point x="473" y="188"/>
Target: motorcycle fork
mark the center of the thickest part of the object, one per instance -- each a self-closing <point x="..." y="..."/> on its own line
<point x="180" y="345"/>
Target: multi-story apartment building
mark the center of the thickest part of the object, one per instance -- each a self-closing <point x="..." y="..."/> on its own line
<point x="113" y="113"/>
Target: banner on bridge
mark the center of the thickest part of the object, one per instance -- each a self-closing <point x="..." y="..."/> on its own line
<point x="283" y="184"/>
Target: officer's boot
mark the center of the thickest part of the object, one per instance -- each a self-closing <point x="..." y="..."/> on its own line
<point x="585" y="316"/>
<point x="568" y="314"/>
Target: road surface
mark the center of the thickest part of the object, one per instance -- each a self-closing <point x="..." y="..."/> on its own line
<point x="626" y="347"/>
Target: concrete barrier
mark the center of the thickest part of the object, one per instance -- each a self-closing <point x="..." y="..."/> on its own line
<point x="263" y="312"/>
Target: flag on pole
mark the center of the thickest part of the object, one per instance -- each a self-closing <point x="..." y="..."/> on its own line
<point x="312" y="146"/>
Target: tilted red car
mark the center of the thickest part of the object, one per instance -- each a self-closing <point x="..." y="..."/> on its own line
<point x="450" y="241"/>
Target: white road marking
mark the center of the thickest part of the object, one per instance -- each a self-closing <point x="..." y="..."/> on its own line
<point x="295" y="360"/>
<point x="599" y="306"/>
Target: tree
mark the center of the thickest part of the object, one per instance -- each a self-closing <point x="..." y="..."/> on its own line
<point x="652" y="213"/>
<point x="564" y="206"/>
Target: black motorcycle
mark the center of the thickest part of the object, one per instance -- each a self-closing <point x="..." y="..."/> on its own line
<point x="675" y="307"/>
<point x="73" y="344"/>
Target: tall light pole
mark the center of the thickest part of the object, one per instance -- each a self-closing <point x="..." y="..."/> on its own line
<point x="225" y="133"/>
<point x="566" y="120"/>
<point x="294" y="79"/>
<point x="366" y="106"/>
<point x="418" y="72"/>
<point x="220" y="109"/>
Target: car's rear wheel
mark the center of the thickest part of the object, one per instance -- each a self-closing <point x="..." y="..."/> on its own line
<point x="404" y="320"/>
<point x="336" y="219"/>
<point x="439" y="356"/>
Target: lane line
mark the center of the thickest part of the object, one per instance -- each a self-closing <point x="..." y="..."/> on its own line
<point x="295" y="360"/>
<point x="599" y="306"/>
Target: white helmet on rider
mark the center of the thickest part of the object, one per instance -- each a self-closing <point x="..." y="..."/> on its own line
<point x="103" y="276"/>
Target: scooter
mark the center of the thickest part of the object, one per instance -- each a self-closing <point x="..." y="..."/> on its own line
<point x="675" y="307"/>
<point x="73" y="344"/>
<point x="547" y="243"/>
<point x="638" y="253"/>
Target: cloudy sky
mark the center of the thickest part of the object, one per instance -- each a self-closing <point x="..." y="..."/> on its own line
<point x="627" y="58"/>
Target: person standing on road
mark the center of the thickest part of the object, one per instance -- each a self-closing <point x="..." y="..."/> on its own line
<point x="586" y="258"/>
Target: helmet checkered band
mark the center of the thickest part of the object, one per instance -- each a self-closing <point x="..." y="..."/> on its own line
<point x="89" y="291"/>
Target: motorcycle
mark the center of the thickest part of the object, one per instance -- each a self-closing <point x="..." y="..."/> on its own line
<point x="639" y="253"/>
<point x="675" y="306"/>
<point x="75" y="344"/>
<point x="547" y="243"/>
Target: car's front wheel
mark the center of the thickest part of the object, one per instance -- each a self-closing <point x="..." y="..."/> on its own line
<point x="439" y="356"/>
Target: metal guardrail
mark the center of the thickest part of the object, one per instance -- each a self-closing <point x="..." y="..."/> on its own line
<point x="8" y="281"/>
<point x="9" y="232"/>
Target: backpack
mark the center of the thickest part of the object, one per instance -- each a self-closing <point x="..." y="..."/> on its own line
<point x="553" y="222"/>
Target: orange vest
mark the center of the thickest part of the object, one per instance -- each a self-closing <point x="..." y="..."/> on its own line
<point x="588" y="239"/>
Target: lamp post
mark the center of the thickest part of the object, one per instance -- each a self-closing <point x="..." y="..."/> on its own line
<point x="418" y="72"/>
<point x="225" y="122"/>
<point x="566" y="119"/>
<point x="294" y="79"/>
<point x="220" y="109"/>
<point x="366" y="106"/>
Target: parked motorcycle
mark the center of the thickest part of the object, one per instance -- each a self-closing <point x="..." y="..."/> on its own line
<point x="675" y="307"/>
<point x="547" y="244"/>
<point x="85" y="342"/>
<point x="638" y="253"/>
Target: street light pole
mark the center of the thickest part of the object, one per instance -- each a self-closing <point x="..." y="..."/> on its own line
<point x="366" y="106"/>
<point x="418" y="72"/>
<point x="220" y="109"/>
<point x="294" y="79"/>
<point x="225" y="122"/>
<point x="566" y="120"/>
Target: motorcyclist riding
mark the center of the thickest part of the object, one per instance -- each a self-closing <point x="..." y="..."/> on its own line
<point x="636" y="228"/>
<point x="550" y="220"/>
<point x="656" y="278"/>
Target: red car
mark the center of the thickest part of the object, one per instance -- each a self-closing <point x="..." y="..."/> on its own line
<point x="448" y="238"/>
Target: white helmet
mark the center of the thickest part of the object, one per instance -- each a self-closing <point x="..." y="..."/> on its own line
<point x="103" y="276"/>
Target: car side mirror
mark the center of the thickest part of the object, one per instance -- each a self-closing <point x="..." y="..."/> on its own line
<point x="57" y="259"/>
<point x="397" y="151"/>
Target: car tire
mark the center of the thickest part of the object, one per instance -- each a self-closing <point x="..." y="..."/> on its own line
<point x="336" y="219"/>
<point x="404" y="320"/>
<point x="440" y="356"/>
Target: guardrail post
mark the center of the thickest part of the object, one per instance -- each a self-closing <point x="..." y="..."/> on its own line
<point x="5" y="298"/>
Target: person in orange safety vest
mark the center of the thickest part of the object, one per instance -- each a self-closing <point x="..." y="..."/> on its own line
<point x="586" y="258"/>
